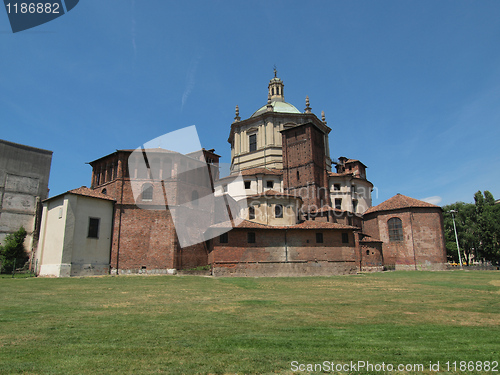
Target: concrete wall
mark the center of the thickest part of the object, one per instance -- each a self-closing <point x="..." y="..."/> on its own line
<point x="51" y="243"/>
<point x="24" y="179"/>
<point x="90" y="256"/>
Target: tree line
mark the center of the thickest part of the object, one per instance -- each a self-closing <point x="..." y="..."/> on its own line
<point x="478" y="229"/>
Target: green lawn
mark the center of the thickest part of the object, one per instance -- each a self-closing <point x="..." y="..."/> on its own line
<point x="189" y="324"/>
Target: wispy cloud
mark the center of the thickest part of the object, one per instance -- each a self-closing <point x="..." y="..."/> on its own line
<point x="436" y="199"/>
<point x="190" y="79"/>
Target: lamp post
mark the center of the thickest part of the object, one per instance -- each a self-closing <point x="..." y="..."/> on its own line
<point x="453" y="212"/>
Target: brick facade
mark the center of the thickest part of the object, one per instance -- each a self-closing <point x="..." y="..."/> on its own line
<point x="305" y="172"/>
<point x="144" y="235"/>
<point x="285" y="252"/>
<point x="420" y="244"/>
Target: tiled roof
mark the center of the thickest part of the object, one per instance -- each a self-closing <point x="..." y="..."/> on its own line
<point x="85" y="191"/>
<point x="397" y="202"/>
<point x="308" y="224"/>
<point x="368" y="238"/>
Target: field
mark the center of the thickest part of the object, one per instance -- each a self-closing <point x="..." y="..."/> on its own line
<point x="189" y="324"/>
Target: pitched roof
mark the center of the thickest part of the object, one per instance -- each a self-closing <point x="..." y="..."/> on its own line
<point x="397" y="202"/>
<point x="308" y="224"/>
<point x="85" y="192"/>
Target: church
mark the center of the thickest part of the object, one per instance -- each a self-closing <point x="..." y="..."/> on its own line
<point x="288" y="210"/>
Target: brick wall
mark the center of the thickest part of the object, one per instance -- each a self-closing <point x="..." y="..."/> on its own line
<point x="278" y="248"/>
<point x="144" y="236"/>
<point x="304" y="165"/>
<point x="422" y="246"/>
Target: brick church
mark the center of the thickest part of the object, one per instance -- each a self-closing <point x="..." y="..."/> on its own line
<point x="300" y="217"/>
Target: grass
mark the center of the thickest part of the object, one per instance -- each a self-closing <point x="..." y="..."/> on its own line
<point x="189" y="324"/>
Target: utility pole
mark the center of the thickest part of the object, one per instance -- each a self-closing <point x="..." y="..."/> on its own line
<point x="453" y="212"/>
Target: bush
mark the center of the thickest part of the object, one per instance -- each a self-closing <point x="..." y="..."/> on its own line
<point x="13" y="253"/>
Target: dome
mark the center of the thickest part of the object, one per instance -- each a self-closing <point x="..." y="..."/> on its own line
<point x="278" y="106"/>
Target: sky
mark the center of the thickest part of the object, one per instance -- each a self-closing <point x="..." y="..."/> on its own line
<point x="410" y="88"/>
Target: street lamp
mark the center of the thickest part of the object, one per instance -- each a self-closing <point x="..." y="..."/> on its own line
<point x="452" y="212"/>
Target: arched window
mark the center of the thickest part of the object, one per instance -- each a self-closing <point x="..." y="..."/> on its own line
<point x="395" y="226"/>
<point x="278" y="211"/>
<point x="251" y="212"/>
<point x="147" y="192"/>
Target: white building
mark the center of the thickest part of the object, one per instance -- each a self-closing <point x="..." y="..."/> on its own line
<point x="75" y="235"/>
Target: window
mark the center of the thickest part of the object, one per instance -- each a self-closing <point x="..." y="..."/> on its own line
<point x="93" y="227"/>
<point x="278" y="211"/>
<point x="395" y="229"/>
<point x="336" y="187"/>
<point x="104" y="191"/>
<point x="224" y="238"/>
<point x="345" y="237"/>
<point x="338" y="203"/>
<point x="367" y="252"/>
<point x="298" y="176"/>
<point x="251" y="237"/>
<point x="269" y="184"/>
<point x="251" y="212"/>
<point x="247" y="184"/>
<point x="319" y="237"/>
<point x="147" y="192"/>
<point x="253" y="142"/>
<point x="354" y="205"/>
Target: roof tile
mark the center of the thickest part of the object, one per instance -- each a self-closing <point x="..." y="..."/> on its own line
<point x="397" y="202"/>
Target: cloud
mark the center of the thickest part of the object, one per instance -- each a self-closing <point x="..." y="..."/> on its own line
<point x="190" y="79"/>
<point x="436" y="199"/>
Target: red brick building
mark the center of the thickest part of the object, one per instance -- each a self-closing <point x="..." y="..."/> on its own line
<point x="293" y="215"/>
<point x="144" y="236"/>
<point x="411" y="232"/>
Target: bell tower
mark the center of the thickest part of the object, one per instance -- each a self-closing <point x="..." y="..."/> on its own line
<point x="276" y="88"/>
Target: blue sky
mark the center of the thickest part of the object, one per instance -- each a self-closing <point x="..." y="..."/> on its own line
<point x="411" y="88"/>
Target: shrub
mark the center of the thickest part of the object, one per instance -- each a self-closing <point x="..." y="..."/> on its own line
<point x="13" y="253"/>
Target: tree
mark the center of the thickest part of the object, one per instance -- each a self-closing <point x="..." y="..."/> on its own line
<point x="478" y="229"/>
<point x="465" y="221"/>
<point x="488" y="222"/>
<point x="13" y="253"/>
